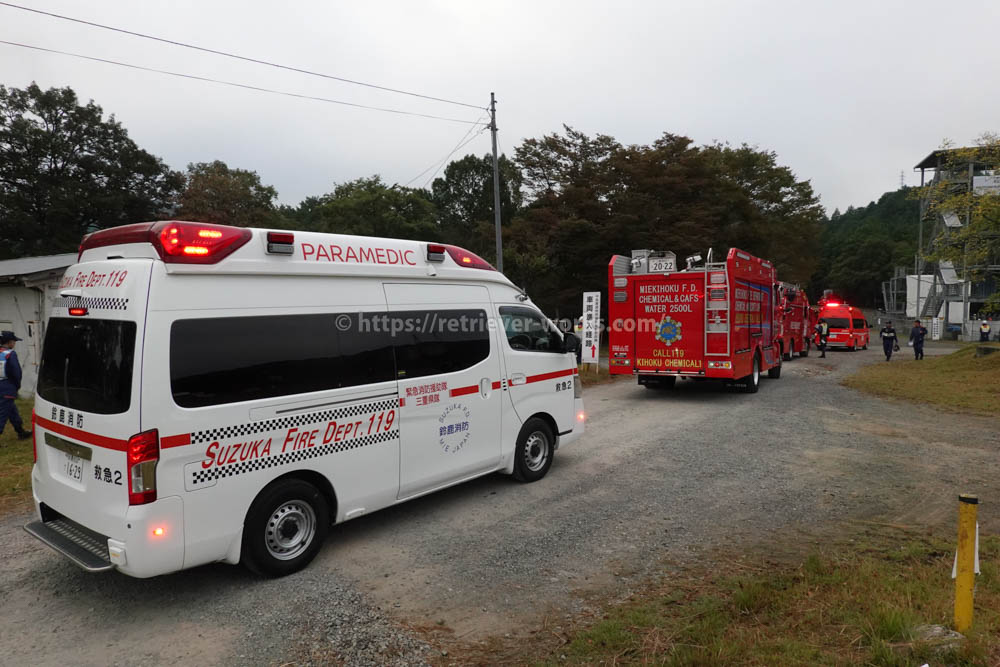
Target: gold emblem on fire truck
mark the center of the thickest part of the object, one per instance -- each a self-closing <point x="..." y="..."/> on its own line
<point x="668" y="331"/>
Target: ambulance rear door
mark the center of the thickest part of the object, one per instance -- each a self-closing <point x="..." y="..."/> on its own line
<point x="87" y="405"/>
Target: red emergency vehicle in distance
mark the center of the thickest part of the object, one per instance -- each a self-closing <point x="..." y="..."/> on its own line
<point x="714" y="321"/>
<point x="794" y="332"/>
<point x="848" y="327"/>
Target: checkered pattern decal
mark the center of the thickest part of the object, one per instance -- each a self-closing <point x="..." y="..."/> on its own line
<point x="281" y="423"/>
<point x="203" y="476"/>
<point x="92" y="302"/>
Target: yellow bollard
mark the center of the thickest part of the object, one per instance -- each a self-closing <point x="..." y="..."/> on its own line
<point x="965" y="577"/>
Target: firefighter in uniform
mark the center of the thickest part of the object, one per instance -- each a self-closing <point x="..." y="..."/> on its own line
<point x="10" y="382"/>
<point x="984" y="332"/>
<point x="889" y="341"/>
<point x="917" y="335"/>
<point x="822" y="334"/>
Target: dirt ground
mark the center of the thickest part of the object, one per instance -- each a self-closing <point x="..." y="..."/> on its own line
<point x="658" y="475"/>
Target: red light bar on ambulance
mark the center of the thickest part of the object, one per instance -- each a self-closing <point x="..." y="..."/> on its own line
<point x="175" y="242"/>
<point x="463" y="257"/>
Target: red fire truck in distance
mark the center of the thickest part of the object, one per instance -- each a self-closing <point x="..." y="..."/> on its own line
<point x="713" y="321"/>
<point x="794" y="328"/>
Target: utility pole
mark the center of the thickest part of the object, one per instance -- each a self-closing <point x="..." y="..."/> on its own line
<point x="496" y="181"/>
<point x="918" y="260"/>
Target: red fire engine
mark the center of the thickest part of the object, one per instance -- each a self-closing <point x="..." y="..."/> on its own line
<point x="713" y="321"/>
<point x="794" y="328"/>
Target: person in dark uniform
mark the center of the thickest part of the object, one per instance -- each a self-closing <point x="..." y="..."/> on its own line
<point x="10" y="382"/>
<point x="889" y="341"/>
<point x="822" y="334"/>
<point x="917" y="335"/>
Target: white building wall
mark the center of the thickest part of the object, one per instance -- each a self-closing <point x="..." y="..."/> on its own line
<point x="25" y="311"/>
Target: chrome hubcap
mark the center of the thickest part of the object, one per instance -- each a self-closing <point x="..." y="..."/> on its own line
<point x="290" y="530"/>
<point x="536" y="451"/>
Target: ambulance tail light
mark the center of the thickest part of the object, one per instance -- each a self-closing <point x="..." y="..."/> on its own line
<point x="76" y="312"/>
<point x="175" y="242"/>
<point x="280" y="243"/>
<point x="142" y="454"/>
<point x="463" y="257"/>
<point x="435" y="252"/>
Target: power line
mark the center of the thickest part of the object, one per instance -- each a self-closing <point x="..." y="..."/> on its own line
<point x="437" y="163"/>
<point x="238" y="57"/>
<point x="239" y="85"/>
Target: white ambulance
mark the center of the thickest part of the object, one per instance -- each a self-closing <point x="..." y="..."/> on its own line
<point x="212" y="393"/>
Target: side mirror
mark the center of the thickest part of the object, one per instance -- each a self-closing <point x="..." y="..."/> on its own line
<point x="570" y="342"/>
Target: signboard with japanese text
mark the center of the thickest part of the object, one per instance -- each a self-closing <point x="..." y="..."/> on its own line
<point x="591" y="327"/>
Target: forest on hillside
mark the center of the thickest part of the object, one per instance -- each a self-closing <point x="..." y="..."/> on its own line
<point x="862" y="247"/>
<point x="568" y="202"/>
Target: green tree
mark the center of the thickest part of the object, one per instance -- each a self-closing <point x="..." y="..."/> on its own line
<point x="463" y="197"/>
<point x="782" y="216"/>
<point x="367" y="207"/>
<point x="215" y="193"/>
<point x="65" y="171"/>
<point x="861" y="248"/>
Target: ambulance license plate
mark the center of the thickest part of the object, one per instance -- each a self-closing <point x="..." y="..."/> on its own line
<point x="73" y="467"/>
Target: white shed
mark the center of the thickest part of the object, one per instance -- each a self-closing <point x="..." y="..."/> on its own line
<point x="27" y="288"/>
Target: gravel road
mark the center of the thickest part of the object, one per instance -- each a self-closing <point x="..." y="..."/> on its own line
<point x="659" y="474"/>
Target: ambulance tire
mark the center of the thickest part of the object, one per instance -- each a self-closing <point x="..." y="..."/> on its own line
<point x="789" y="353"/>
<point x="285" y="528"/>
<point x="751" y="383"/>
<point x="533" y="454"/>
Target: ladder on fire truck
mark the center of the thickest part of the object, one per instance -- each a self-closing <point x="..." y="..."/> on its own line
<point x="718" y="319"/>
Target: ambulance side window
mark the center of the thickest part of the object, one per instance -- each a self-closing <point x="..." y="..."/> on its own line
<point x="527" y="330"/>
<point x="234" y="359"/>
<point x="429" y="342"/>
<point x="859" y="323"/>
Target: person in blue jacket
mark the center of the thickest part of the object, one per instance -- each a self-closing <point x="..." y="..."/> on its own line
<point x="10" y="382"/>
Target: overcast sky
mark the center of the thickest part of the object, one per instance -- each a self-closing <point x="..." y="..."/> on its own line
<point x="847" y="93"/>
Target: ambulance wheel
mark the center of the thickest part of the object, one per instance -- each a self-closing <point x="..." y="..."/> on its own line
<point x="285" y="528"/>
<point x="533" y="454"/>
<point x="751" y="383"/>
<point x="789" y="353"/>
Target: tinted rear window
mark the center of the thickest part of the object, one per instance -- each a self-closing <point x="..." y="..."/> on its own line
<point x="838" y="322"/>
<point x="87" y="364"/>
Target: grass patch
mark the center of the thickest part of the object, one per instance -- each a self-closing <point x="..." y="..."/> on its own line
<point x="589" y="377"/>
<point x="957" y="381"/>
<point x="16" y="459"/>
<point x="856" y="603"/>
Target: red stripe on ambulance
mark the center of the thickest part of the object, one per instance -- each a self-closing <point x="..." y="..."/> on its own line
<point x="82" y="436"/>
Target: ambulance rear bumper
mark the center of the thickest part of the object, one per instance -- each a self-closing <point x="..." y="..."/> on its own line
<point x="81" y="545"/>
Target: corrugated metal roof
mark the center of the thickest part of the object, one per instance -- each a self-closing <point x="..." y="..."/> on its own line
<point x="10" y="268"/>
